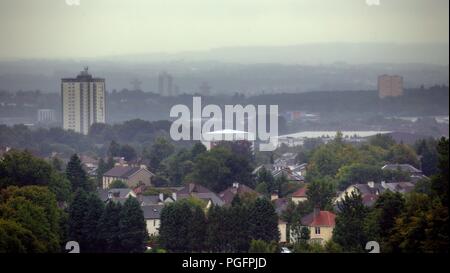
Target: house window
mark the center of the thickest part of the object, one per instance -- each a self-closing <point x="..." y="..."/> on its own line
<point x="317" y="230"/>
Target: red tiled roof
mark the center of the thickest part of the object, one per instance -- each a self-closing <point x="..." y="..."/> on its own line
<point x="300" y="192"/>
<point x="320" y="219"/>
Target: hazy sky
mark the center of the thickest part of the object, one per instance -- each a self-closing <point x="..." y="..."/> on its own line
<point x="54" y="29"/>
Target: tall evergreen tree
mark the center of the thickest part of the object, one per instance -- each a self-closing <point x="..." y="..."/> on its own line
<point x="216" y="233"/>
<point x="197" y="229"/>
<point x="349" y="230"/>
<point x="263" y="221"/>
<point x="91" y="221"/>
<point x="84" y="214"/>
<point x="133" y="230"/>
<point x="108" y="228"/>
<point x="77" y="211"/>
<point x="76" y="175"/>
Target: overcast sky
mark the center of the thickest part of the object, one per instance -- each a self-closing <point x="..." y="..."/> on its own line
<point x="54" y="29"/>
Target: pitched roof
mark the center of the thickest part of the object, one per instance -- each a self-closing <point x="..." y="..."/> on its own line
<point x="280" y="205"/>
<point x="117" y="194"/>
<point x="268" y="167"/>
<point x="149" y="200"/>
<point x="401" y="187"/>
<point x="123" y="171"/>
<point x="200" y="192"/>
<point x="366" y="189"/>
<point x="229" y="194"/>
<point x="152" y="211"/>
<point x="369" y="199"/>
<point x="402" y="167"/>
<point x="289" y="175"/>
<point x="300" y="192"/>
<point x="321" y="218"/>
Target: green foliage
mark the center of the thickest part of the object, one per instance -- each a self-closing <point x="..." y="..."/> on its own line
<point x="424" y="223"/>
<point x="21" y="168"/>
<point x="34" y="209"/>
<point x="265" y="176"/>
<point x="321" y="192"/>
<point x="263" y="221"/>
<point x="14" y="238"/>
<point x="77" y="176"/>
<point x="108" y="228"/>
<point x="349" y="230"/>
<point x="103" y="167"/>
<point x="382" y="141"/>
<point x="218" y="168"/>
<point x="133" y="230"/>
<point x="381" y="220"/>
<point x="118" y="184"/>
<point x="178" y="232"/>
<point x="403" y="154"/>
<point x="429" y="157"/>
<point x="160" y="150"/>
<point x="84" y="214"/>
<point x="357" y="173"/>
<point x="260" y="246"/>
<point x="262" y="188"/>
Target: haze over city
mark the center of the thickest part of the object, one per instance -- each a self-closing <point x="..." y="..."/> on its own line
<point x="109" y="28"/>
<point x="224" y="126"/>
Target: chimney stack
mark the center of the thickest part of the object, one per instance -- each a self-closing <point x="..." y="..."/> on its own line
<point x="274" y="196"/>
<point x="174" y="196"/>
<point x="316" y="211"/>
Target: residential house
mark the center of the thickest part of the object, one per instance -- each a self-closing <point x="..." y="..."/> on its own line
<point x="286" y="159"/>
<point x="400" y="187"/>
<point x="152" y="216"/>
<point x="282" y="228"/>
<point x="132" y="176"/>
<point x="200" y="192"/>
<point x="236" y="189"/>
<point x="299" y="195"/>
<point x="291" y="176"/>
<point x="157" y="199"/>
<point x="280" y="204"/>
<point x="115" y="195"/>
<point x="413" y="171"/>
<point x="369" y="192"/>
<point x="268" y="167"/>
<point x="4" y="150"/>
<point x="321" y="224"/>
<point x="299" y="169"/>
<point x="89" y="164"/>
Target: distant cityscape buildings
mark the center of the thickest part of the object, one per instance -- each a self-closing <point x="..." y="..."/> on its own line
<point x="46" y="116"/>
<point x="205" y="89"/>
<point x="83" y="102"/>
<point x="390" y="86"/>
<point x="166" y="86"/>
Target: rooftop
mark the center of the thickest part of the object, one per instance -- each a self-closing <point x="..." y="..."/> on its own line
<point x="321" y="218"/>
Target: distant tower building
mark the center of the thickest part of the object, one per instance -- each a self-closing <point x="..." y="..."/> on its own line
<point x="136" y="84"/>
<point x="46" y="116"/>
<point x="205" y="88"/>
<point x="165" y="84"/>
<point x="390" y="86"/>
<point x="83" y="102"/>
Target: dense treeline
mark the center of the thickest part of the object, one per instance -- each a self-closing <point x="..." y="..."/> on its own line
<point x="185" y="227"/>
<point x="413" y="222"/>
<point x="136" y="134"/>
<point x="431" y="101"/>
<point x="41" y="208"/>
